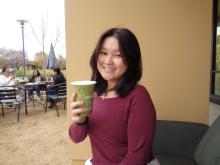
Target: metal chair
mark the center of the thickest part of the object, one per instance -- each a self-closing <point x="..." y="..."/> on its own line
<point x="59" y="95"/>
<point x="9" y="98"/>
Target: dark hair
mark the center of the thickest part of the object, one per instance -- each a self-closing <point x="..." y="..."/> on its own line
<point x="38" y="73"/>
<point x="57" y="70"/>
<point x="130" y="49"/>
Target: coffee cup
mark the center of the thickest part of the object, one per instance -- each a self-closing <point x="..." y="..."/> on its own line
<point x="84" y="92"/>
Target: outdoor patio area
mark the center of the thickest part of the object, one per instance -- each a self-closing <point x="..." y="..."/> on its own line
<point x="39" y="138"/>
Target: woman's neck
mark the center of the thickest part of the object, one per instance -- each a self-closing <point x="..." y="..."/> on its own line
<point x="109" y="94"/>
<point x="111" y="86"/>
<point x="110" y="91"/>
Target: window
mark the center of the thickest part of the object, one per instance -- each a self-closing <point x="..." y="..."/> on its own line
<point x="215" y="70"/>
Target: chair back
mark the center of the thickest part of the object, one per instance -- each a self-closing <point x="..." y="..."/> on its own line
<point x="177" y="138"/>
<point x="7" y="94"/>
<point x="60" y="90"/>
<point x="208" y="150"/>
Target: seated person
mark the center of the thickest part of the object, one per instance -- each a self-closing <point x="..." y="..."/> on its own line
<point x="5" y="78"/>
<point x="35" y="78"/>
<point x="58" y="78"/>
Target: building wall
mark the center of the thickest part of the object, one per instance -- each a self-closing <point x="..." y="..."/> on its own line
<point x="175" y="40"/>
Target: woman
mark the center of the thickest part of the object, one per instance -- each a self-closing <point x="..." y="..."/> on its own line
<point x="58" y="78"/>
<point x="122" y="125"/>
<point x="36" y="77"/>
<point x="6" y="79"/>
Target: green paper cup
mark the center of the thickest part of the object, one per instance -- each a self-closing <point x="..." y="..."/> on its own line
<point x="84" y="92"/>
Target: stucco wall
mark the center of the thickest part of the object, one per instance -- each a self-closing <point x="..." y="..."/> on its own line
<point x="175" y="40"/>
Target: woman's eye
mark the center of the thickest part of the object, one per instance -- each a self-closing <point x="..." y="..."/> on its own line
<point x="103" y="53"/>
<point x="118" y="55"/>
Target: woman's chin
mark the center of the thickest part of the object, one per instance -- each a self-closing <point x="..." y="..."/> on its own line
<point x="107" y="78"/>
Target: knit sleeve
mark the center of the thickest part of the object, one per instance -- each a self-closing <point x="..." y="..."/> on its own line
<point x="77" y="132"/>
<point x="140" y="130"/>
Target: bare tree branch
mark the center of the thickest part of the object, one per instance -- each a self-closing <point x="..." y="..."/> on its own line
<point x="58" y="35"/>
<point x="43" y="32"/>
<point x="35" y="35"/>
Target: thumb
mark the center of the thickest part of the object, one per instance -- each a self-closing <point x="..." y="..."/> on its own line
<point x="73" y="97"/>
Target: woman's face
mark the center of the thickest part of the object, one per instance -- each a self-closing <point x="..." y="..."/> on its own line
<point x="7" y="72"/>
<point x="110" y="62"/>
<point x="54" y="73"/>
<point x="35" y="73"/>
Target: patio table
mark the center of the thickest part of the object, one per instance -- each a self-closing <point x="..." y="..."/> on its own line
<point x="28" y="86"/>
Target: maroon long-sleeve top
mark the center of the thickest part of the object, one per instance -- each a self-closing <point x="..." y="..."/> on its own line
<point x="120" y="129"/>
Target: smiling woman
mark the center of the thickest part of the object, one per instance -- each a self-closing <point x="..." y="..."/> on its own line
<point x="122" y="124"/>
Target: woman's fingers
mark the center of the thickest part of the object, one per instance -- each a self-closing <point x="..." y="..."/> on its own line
<point x="80" y="119"/>
<point x="78" y="112"/>
<point x="76" y="104"/>
<point x="78" y="115"/>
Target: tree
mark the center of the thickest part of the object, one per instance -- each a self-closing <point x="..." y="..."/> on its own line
<point x="61" y="61"/>
<point x="11" y="57"/>
<point x="41" y="38"/>
<point x="38" y="59"/>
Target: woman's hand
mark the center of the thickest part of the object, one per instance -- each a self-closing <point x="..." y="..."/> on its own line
<point x="12" y="78"/>
<point x="77" y="116"/>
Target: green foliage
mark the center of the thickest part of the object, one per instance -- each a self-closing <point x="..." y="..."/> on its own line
<point x="20" y="73"/>
<point x="48" y="73"/>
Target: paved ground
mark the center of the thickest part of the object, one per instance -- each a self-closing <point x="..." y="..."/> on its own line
<point x="38" y="138"/>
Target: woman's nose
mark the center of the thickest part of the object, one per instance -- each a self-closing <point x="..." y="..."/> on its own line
<point x="109" y="59"/>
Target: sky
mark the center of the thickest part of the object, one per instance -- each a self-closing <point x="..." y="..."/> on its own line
<point x="34" y="11"/>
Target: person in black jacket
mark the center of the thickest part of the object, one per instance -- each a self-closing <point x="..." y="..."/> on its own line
<point x="58" y="78"/>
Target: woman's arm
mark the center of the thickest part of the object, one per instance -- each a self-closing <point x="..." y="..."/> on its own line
<point x="140" y="130"/>
<point x="10" y="81"/>
<point x="77" y="132"/>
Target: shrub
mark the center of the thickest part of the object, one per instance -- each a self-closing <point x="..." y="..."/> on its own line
<point x="48" y="73"/>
